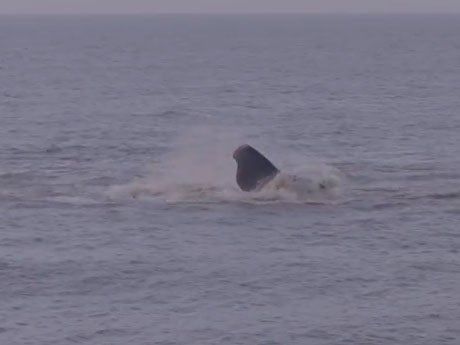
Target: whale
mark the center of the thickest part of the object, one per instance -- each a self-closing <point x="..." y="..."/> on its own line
<point x="254" y="170"/>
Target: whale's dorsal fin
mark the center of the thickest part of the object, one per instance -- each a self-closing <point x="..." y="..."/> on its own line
<point x="254" y="170"/>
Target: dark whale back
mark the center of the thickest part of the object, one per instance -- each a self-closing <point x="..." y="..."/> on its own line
<point x="254" y="170"/>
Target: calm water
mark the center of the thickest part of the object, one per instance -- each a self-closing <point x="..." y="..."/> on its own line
<point x="120" y="219"/>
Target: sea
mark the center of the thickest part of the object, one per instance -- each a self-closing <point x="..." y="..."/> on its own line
<point x="121" y="221"/>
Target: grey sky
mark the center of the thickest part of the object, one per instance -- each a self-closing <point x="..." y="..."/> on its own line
<point x="228" y="6"/>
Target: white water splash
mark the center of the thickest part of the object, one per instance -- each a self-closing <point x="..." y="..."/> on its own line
<point x="200" y="169"/>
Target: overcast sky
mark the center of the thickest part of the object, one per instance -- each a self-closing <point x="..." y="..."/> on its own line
<point x="228" y="6"/>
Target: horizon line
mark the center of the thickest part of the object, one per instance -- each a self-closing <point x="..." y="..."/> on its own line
<point x="136" y="13"/>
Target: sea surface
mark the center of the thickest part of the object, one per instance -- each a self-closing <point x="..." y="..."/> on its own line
<point x="120" y="218"/>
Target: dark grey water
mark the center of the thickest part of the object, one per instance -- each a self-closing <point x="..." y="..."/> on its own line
<point x="120" y="220"/>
